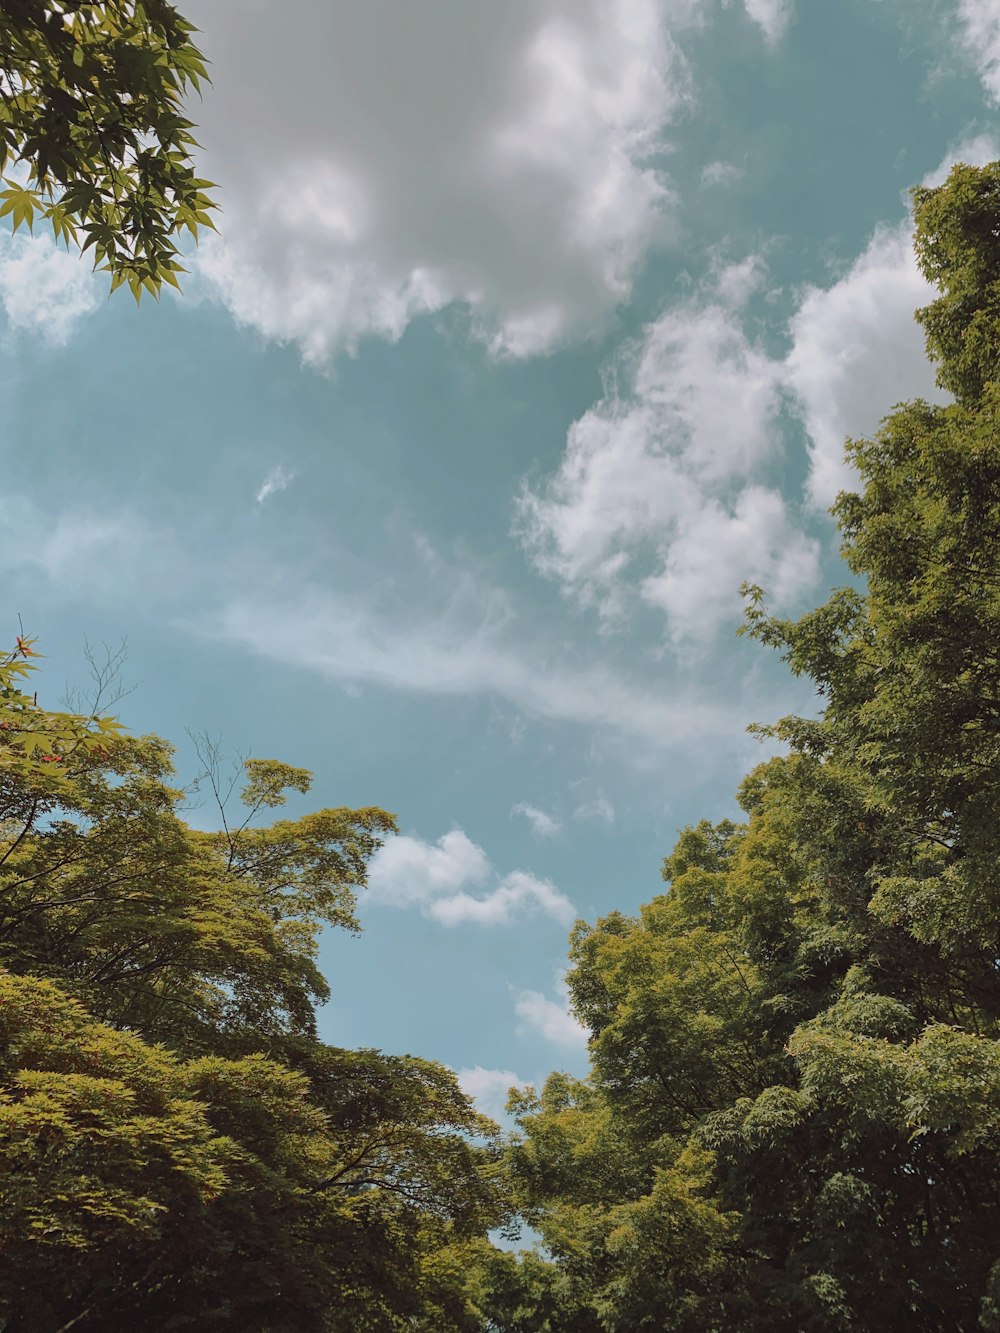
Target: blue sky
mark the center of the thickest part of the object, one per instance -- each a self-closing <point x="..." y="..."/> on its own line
<point x="532" y="331"/>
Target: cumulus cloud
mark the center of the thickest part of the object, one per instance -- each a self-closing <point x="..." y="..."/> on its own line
<point x="276" y="480"/>
<point x="660" y="497"/>
<point x="489" y="1088"/>
<point x="856" y="348"/>
<point x="45" y="289"/>
<point x="497" y="155"/>
<point x="435" y="877"/>
<point x="658" y="471"/>
<point x="518" y="895"/>
<point x="542" y="824"/>
<point x="550" y="1018"/>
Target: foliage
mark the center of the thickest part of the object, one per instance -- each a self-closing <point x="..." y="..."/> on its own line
<point x="791" y="1116"/>
<point x="177" y="1148"/>
<point x="92" y="134"/>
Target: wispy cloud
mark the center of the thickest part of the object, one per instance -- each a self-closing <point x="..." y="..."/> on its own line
<point x="436" y="877"/>
<point x="466" y="650"/>
<point x="979" y="35"/>
<point x="721" y="173"/>
<point x="600" y="809"/>
<point x="771" y="16"/>
<point x="542" y="824"/>
<point x="276" y="480"/>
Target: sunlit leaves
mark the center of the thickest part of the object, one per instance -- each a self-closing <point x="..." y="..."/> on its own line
<point x="92" y="136"/>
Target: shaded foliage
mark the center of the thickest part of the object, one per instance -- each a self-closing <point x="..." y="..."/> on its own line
<point x="791" y="1118"/>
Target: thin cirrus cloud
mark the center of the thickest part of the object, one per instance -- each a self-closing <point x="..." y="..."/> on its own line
<point x="436" y="878"/>
<point x="278" y="479"/>
<point x="541" y="823"/>
<point x="772" y="16"/>
<point x="461" y="650"/>
<point x="599" y="809"/>
<point x="469" y="643"/>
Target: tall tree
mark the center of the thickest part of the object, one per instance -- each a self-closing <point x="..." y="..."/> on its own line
<point x="796" y="1048"/>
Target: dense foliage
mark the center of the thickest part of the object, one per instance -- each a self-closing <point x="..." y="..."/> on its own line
<point x="92" y="132"/>
<point x="792" y="1119"/>
<point x="177" y="1149"/>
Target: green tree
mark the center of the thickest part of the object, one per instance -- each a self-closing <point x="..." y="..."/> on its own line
<point x="178" y="1148"/>
<point x="92" y="132"/>
<point x="796" y="1049"/>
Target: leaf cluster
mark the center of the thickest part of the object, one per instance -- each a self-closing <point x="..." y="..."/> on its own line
<point x="93" y="138"/>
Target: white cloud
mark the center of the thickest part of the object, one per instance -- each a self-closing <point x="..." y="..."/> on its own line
<point x="488" y="1088"/>
<point x="658" y="473"/>
<point x="434" y="877"/>
<point x="550" y="1018"/>
<point x="45" y="289"/>
<point x="856" y="347"/>
<point x="83" y="552"/>
<point x="499" y="155"/>
<point x="660" y="496"/>
<point x="857" y="351"/>
<point x="980" y="39"/>
<point x="468" y="647"/>
<point x="407" y="872"/>
<point x="518" y="895"/>
<point x="544" y="825"/>
<point x="756" y="536"/>
<point x="276" y="480"/>
<point x="436" y="629"/>
<point x="773" y="16"/>
<point x="600" y="809"/>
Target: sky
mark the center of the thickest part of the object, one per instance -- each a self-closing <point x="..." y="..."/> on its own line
<point x="531" y="331"/>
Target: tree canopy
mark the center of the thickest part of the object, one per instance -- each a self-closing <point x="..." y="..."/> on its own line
<point x="792" y="1119"/>
<point x="177" y="1148"/>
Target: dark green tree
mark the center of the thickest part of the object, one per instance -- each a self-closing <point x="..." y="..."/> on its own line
<point x="796" y="1048"/>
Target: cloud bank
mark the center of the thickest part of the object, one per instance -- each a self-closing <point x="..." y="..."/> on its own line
<point x="499" y="155"/>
